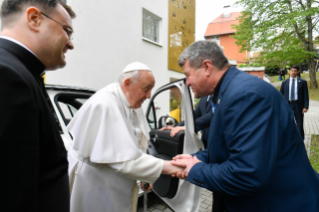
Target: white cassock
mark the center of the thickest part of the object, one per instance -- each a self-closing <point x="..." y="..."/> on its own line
<point x="108" y="154"/>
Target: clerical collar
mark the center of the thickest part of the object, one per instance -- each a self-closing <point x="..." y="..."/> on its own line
<point x="123" y="97"/>
<point x="217" y="88"/>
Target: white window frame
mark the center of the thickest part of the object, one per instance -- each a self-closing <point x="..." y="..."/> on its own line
<point x="159" y="19"/>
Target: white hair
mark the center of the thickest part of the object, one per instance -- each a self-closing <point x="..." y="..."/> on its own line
<point x="132" y="75"/>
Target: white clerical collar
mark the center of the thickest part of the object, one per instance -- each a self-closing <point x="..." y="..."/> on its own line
<point x="17" y="42"/>
<point x="123" y="97"/>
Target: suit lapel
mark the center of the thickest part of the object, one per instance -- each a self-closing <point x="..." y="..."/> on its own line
<point x="208" y="104"/>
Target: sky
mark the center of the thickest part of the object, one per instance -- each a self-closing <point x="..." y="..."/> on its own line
<point x="207" y="11"/>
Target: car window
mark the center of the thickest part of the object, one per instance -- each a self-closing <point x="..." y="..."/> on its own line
<point x="69" y="104"/>
<point x="66" y="110"/>
<point x="167" y="103"/>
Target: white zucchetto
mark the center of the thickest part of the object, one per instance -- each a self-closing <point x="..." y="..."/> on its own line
<point x="136" y="66"/>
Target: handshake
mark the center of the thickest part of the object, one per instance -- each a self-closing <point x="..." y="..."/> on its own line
<point x="180" y="166"/>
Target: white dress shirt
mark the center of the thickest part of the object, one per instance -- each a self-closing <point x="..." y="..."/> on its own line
<point x="296" y="90"/>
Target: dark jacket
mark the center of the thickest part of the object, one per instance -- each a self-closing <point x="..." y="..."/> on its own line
<point x="303" y="96"/>
<point x="33" y="160"/>
<point x="256" y="158"/>
<point x="202" y="116"/>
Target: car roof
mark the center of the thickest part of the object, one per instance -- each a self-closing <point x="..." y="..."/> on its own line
<point x="69" y="88"/>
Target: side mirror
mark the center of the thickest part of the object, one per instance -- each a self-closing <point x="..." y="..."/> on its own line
<point x="166" y="120"/>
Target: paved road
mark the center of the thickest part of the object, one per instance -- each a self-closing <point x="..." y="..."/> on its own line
<point x="311" y="126"/>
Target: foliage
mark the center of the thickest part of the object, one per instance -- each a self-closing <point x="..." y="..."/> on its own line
<point x="272" y="70"/>
<point x="282" y="31"/>
<point x="249" y="65"/>
<point x="314" y="152"/>
<point x="196" y="101"/>
<point x="255" y="65"/>
<point x="175" y="103"/>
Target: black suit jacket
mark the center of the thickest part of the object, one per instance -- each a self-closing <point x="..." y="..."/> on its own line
<point x="303" y="97"/>
<point x="33" y="158"/>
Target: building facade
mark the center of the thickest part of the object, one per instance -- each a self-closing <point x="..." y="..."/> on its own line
<point x="110" y="34"/>
<point x="220" y="30"/>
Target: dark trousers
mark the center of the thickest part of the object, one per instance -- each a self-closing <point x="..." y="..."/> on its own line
<point x="298" y="116"/>
<point x="219" y="204"/>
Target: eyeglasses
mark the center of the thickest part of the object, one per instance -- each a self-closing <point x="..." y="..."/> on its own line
<point x="67" y="29"/>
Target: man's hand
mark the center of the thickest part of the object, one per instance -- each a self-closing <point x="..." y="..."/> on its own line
<point x="170" y="169"/>
<point x="146" y="189"/>
<point x="183" y="156"/>
<point x="304" y="110"/>
<point x="174" y="130"/>
<point x="186" y="163"/>
<point x="168" y="127"/>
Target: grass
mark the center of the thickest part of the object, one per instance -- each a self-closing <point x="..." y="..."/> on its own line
<point x="314" y="152"/>
<point x="313" y="93"/>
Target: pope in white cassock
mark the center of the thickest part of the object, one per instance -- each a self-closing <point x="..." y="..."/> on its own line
<point x="110" y="135"/>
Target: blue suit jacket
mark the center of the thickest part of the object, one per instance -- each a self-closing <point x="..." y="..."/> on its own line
<point x="248" y="161"/>
<point x="202" y="116"/>
<point x="303" y="97"/>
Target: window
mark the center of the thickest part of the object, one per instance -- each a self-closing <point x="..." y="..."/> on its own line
<point x="151" y="27"/>
<point x="69" y="104"/>
<point x="167" y="103"/>
<point x="216" y="39"/>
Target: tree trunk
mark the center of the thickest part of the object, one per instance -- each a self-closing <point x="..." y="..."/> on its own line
<point x="312" y="73"/>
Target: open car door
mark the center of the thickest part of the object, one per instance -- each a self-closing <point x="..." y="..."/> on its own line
<point x="172" y="104"/>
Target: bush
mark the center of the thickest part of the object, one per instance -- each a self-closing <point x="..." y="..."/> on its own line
<point x="271" y="71"/>
<point x="255" y="65"/>
<point x="242" y="65"/>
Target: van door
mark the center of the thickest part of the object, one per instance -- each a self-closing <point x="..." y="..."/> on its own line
<point x="170" y="105"/>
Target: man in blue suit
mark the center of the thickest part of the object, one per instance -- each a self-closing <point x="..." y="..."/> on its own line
<point x="295" y="91"/>
<point x="202" y="116"/>
<point x="255" y="159"/>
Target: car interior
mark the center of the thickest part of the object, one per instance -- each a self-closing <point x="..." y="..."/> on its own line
<point x="165" y="109"/>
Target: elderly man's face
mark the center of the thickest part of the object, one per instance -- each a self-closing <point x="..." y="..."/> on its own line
<point x="56" y="37"/>
<point x="194" y="79"/>
<point x="140" y="90"/>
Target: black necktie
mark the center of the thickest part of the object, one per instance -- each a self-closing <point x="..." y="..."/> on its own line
<point x="292" y="92"/>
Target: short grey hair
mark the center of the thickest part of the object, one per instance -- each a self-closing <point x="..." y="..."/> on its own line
<point x="202" y="50"/>
<point x="133" y="75"/>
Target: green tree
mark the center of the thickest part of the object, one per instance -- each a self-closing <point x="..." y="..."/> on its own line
<point x="281" y="30"/>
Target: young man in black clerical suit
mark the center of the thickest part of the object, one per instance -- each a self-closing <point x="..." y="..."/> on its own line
<point x="295" y="91"/>
<point x="35" y="35"/>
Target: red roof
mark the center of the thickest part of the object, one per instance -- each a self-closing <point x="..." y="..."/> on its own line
<point x="222" y="25"/>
